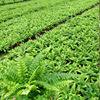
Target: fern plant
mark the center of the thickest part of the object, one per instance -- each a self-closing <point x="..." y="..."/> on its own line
<point x="71" y="87"/>
<point x="19" y="80"/>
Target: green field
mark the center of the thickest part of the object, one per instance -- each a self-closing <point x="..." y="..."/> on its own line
<point x="61" y="64"/>
<point x="5" y="2"/>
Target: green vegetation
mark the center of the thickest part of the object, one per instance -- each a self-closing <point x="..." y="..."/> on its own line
<point x="18" y="29"/>
<point x="61" y="65"/>
<point x="3" y="2"/>
<point x="17" y="10"/>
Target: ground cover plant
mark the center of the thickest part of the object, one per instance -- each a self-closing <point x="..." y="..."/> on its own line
<point x="61" y="65"/>
<point x="3" y="2"/>
<point x="17" y="10"/>
<point x="16" y="30"/>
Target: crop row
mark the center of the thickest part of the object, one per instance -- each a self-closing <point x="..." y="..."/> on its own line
<point x="43" y="32"/>
<point x="29" y="25"/>
<point x="2" y="2"/>
<point x="84" y="28"/>
<point x="70" y="49"/>
<point x="12" y="11"/>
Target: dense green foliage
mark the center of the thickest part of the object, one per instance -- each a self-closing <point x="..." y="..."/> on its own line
<point x="61" y="65"/>
<point x="17" y="10"/>
<point x="3" y="2"/>
<point x="18" y="29"/>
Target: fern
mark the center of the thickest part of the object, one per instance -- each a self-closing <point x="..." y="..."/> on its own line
<point x="26" y="79"/>
<point x="47" y="86"/>
<point x="37" y="73"/>
<point x="11" y="74"/>
<point x="35" y="63"/>
<point x="37" y="60"/>
<point x="61" y="84"/>
<point x="22" y="71"/>
<point x="28" y="89"/>
<point x="55" y="77"/>
<point x="13" y="90"/>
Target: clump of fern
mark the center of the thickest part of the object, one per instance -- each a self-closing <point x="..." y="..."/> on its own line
<point x="71" y="86"/>
<point x="21" y="78"/>
<point x="30" y="78"/>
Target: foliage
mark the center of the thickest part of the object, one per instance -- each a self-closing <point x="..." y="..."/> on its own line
<point x="61" y="65"/>
<point x="30" y="24"/>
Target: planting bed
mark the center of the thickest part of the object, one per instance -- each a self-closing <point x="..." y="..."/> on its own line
<point x="17" y="10"/>
<point x="29" y="25"/>
<point x="61" y="65"/>
<point x="5" y="2"/>
<point x="42" y="32"/>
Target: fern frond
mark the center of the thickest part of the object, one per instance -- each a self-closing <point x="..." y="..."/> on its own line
<point x="37" y="73"/>
<point x="61" y="84"/>
<point x="13" y="90"/>
<point x="6" y="84"/>
<point x="37" y="60"/>
<point x="28" y="61"/>
<point x="22" y="71"/>
<point x="11" y="74"/>
<point x="54" y="77"/>
<point x="47" y="86"/>
<point x="28" y="89"/>
<point x="35" y="63"/>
